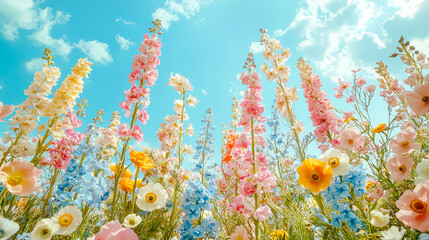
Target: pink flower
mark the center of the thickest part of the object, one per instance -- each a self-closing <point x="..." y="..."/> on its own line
<point x="404" y="142"/>
<point x="370" y="88"/>
<point x="151" y="76"/>
<point x="262" y="213"/>
<point x="248" y="188"/>
<point x="351" y="99"/>
<point x="399" y="167"/>
<point x="5" y="110"/>
<point x="360" y="82"/>
<point x="418" y="99"/>
<point x="20" y="177"/>
<point x="413" y="207"/>
<point x="137" y="133"/>
<point x="240" y="233"/>
<point x="114" y="231"/>
<point x="124" y="130"/>
<point x="351" y="139"/>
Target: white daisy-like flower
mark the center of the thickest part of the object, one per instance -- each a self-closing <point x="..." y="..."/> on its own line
<point x="378" y="219"/>
<point x="422" y="170"/>
<point x="44" y="229"/>
<point x="338" y="161"/>
<point x="393" y="233"/>
<point x="151" y="197"/>
<point x="68" y="219"/>
<point x="7" y="228"/>
<point x="132" y="220"/>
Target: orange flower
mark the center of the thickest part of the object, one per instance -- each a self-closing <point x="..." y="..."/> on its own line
<point x="314" y="175"/>
<point x="127" y="173"/>
<point x="140" y="159"/>
<point x="231" y="137"/>
<point x="379" y="128"/>
<point x="126" y="184"/>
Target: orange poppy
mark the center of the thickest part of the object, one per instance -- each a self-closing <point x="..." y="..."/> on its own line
<point x="314" y="175"/>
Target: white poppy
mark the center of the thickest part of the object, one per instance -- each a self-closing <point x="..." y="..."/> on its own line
<point x="378" y="219"/>
<point x="44" y="229"/>
<point x="132" y="220"/>
<point x="69" y="218"/>
<point x="151" y="197"/>
<point x="7" y="228"/>
<point x="422" y="170"/>
<point x="393" y="233"/>
<point x="338" y="161"/>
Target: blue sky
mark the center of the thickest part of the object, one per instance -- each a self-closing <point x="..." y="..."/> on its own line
<point x="205" y="40"/>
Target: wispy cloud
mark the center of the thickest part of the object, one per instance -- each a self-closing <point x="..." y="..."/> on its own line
<point x="124" y="21"/>
<point x="175" y="8"/>
<point x="34" y="65"/>
<point x="123" y="42"/>
<point x="256" y="47"/>
<point x="97" y="51"/>
<point x="204" y="92"/>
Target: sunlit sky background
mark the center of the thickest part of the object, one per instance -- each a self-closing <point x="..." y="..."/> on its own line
<point x="205" y="40"/>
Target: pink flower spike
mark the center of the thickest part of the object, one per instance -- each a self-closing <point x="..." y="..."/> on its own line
<point x="124" y="130"/>
<point x="137" y="133"/>
<point x="414" y="207"/>
<point x="399" y="167"/>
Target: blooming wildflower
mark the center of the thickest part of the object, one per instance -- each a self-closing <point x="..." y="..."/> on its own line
<point x="357" y="179"/>
<point x="399" y="167"/>
<point x="262" y="213"/>
<point x="380" y="128"/>
<point x="370" y="88"/>
<point x="151" y="197"/>
<point x="69" y="219"/>
<point x="132" y="220"/>
<point x="378" y="219"/>
<point x="351" y="139"/>
<point x="314" y="175"/>
<point x="113" y="230"/>
<point x="240" y="233"/>
<point x="338" y="161"/>
<point x="404" y="142"/>
<point x="413" y="207"/>
<point x="418" y="100"/>
<point x="7" y="228"/>
<point x="140" y="159"/>
<point x="5" y="110"/>
<point x="127" y="173"/>
<point x="422" y="170"/>
<point x="20" y="177"/>
<point x="126" y="184"/>
<point x="279" y="235"/>
<point x="393" y="233"/>
<point x="44" y="229"/>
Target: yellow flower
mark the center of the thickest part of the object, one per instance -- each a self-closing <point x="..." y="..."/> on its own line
<point x="314" y="175"/>
<point x="127" y="173"/>
<point x="126" y="184"/>
<point x="279" y="235"/>
<point x="140" y="159"/>
<point x="379" y="128"/>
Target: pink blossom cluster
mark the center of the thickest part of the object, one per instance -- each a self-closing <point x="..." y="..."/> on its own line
<point x="321" y="114"/>
<point x="125" y="132"/>
<point x="62" y="151"/>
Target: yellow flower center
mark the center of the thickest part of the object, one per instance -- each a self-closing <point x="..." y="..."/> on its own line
<point x="132" y="222"/>
<point x="333" y="162"/>
<point x="350" y="141"/>
<point x="405" y="144"/>
<point x="315" y="177"/>
<point x="45" y="232"/>
<point x="239" y="238"/>
<point x="418" y="206"/>
<point x="15" y="179"/>
<point x="65" y="220"/>
<point x="150" y="197"/>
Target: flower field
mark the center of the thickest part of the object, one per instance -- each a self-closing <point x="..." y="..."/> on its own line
<point x="347" y="177"/>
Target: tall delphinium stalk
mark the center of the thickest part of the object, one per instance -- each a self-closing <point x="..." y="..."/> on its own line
<point x="174" y="150"/>
<point x="285" y="96"/>
<point x="143" y="75"/>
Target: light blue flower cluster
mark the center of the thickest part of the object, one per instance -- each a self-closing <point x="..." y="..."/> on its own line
<point x="354" y="182"/>
<point x="276" y="138"/>
<point x="195" y="199"/>
<point x="79" y="184"/>
<point x="204" y="145"/>
<point x="23" y="236"/>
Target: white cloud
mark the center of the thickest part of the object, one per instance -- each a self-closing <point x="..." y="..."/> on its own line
<point x="34" y="65"/>
<point x="16" y="15"/>
<point x="175" y="8"/>
<point x="421" y="44"/>
<point x="97" y="51"/>
<point x="123" y="42"/>
<point x="256" y="47"/>
<point x="124" y="21"/>
<point x="204" y="92"/>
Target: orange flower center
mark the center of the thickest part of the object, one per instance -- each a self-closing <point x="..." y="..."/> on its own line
<point x="315" y="177"/>
<point x="425" y="99"/>
<point x="239" y="238"/>
<point x="150" y="197"/>
<point x="65" y="220"/>
<point x="418" y="206"/>
<point x="15" y="179"/>
<point x="350" y="141"/>
<point x="405" y="144"/>
<point x="402" y="168"/>
<point x="333" y="162"/>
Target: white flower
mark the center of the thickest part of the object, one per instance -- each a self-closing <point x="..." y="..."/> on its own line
<point x="44" y="229"/>
<point x="192" y="101"/>
<point x="393" y="233"/>
<point x="7" y="228"/>
<point x="338" y="161"/>
<point x="69" y="218"/>
<point x="422" y="170"/>
<point x="151" y="197"/>
<point x="378" y="219"/>
<point x="132" y="220"/>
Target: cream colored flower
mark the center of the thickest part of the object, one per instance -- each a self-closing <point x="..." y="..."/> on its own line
<point x="393" y="233"/>
<point x="69" y="219"/>
<point x="378" y="219"/>
<point x="7" y="228"/>
<point x="422" y="170"/>
<point x="338" y="161"/>
<point x="44" y="229"/>
<point x="151" y="197"/>
<point x="132" y="220"/>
